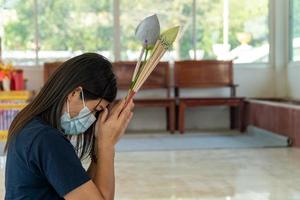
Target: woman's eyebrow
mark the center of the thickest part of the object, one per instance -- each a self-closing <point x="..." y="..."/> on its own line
<point x="98" y="104"/>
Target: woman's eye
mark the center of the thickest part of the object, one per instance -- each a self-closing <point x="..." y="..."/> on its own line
<point x="97" y="114"/>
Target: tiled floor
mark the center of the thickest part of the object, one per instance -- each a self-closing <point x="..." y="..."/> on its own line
<point x="237" y="174"/>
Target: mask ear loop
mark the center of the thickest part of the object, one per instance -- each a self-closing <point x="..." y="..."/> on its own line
<point x="68" y="106"/>
<point x="82" y="96"/>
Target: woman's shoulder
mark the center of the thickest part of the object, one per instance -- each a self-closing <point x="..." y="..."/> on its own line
<point x="38" y="130"/>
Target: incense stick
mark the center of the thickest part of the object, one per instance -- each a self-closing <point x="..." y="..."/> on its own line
<point x="138" y="64"/>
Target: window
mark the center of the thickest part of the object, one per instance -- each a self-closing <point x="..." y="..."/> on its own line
<point x="295" y="41"/>
<point x="68" y="27"/>
<point x="65" y="28"/>
<point x="233" y="29"/>
<point x="17" y="32"/>
<point x="210" y="29"/>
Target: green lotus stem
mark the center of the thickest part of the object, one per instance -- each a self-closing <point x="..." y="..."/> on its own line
<point x="137" y="67"/>
<point x="146" y="54"/>
<point x="140" y="69"/>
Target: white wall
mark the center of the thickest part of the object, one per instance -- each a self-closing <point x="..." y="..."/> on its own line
<point x="35" y="78"/>
<point x="255" y="82"/>
<point x="294" y="80"/>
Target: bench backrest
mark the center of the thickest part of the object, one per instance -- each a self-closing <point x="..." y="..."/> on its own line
<point x="159" y="78"/>
<point x="203" y="74"/>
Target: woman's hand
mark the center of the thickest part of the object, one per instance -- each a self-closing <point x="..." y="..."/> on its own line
<point x="111" y="126"/>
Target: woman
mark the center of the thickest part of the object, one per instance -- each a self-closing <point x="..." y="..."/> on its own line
<point x="72" y="106"/>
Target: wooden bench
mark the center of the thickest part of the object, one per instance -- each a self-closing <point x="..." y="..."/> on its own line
<point x="207" y="74"/>
<point x="159" y="79"/>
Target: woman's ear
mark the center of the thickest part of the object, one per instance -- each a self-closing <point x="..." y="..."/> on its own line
<point x="75" y="93"/>
<point x="78" y="90"/>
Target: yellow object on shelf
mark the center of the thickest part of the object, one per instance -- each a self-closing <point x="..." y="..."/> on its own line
<point x="11" y="103"/>
<point x="24" y="95"/>
<point x="3" y="135"/>
<point x="5" y="106"/>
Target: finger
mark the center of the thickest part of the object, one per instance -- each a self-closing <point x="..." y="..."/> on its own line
<point x="114" y="106"/>
<point x="127" y="120"/>
<point x="104" y="115"/>
<point x="119" y="108"/>
<point x="125" y="115"/>
<point x="97" y="127"/>
<point x="130" y="117"/>
<point x="125" y="124"/>
<point x="130" y="105"/>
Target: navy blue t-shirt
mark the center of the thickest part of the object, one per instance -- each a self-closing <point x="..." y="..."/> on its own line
<point x="42" y="164"/>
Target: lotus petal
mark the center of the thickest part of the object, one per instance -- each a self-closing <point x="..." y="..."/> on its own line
<point x="148" y="30"/>
<point x="168" y="37"/>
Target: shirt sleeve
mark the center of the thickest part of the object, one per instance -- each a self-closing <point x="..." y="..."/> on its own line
<point x="57" y="161"/>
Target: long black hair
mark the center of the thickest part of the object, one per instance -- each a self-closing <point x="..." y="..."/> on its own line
<point x="93" y="73"/>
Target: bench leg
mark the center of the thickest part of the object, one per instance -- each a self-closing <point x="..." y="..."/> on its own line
<point x="181" y="117"/>
<point x="242" y="117"/>
<point x="168" y="118"/>
<point x="172" y="117"/>
<point x="232" y="117"/>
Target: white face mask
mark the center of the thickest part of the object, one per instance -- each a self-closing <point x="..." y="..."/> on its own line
<point x="78" y="124"/>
